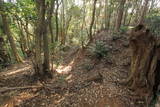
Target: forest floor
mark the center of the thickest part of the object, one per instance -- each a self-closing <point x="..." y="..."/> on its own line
<point x="80" y="81"/>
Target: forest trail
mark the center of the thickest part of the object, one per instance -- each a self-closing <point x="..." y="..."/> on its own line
<point x="81" y="81"/>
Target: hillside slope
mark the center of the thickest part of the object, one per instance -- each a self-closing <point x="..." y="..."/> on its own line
<point x="81" y="81"/>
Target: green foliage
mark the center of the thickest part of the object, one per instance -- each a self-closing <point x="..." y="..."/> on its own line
<point x="153" y="21"/>
<point x="75" y="11"/>
<point x="123" y="29"/>
<point x="99" y="50"/>
<point x="57" y="47"/>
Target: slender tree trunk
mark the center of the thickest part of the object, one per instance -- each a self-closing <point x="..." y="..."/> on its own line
<point x="83" y="23"/>
<point x="43" y="66"/>
<point x="120" y="15"/>
<point x="138" y="11"/>
<point x="125" y="14"/>
<point x="106" y="13"/>
<point x="63" y="25"/>
<point x="57" y="26"/>
<point x="98" y="19"/>
<point x="132" y="13"/>
<point x="39" y="36"/>
<point x="110" y="11"/>
<point x="10" y="38"/>
<point x="93" y="19"/>
<point x="145" y="9"/>
<point x="50" y="21"/>
<point x="23" y="39"/>
<point x="51" y="31"/>
<point x="28" y="34"/>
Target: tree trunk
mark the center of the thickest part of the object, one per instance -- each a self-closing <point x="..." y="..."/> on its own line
<point x="120" y="15"/>
<point x="98" y="19"/>
<point x="4" y="57"/>
<point x="46" y="63"/>
<point x="49" y="19"/>
<point x="42" y="67"/>
<point x="56" y="15"/>
<point x="106" y="11"/>
<point x="145" y="9"/>
<point x="92" y="21"/>
<point x="10" y="38"/>
<point x="132" y="12"/>
<point x="63" y="23"/>
<point x="110" y="11"/>
<point x="144" y="77"/>
<point x="23" y="38"/>
<point x="51" y="31"/>
<point x="38" y="37"/>
<point x="125" y="14"/>
<point x="138" y="12"/>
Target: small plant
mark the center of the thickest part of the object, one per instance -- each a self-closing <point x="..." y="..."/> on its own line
<point x="153" y="24"/>
<point x="99" y="50"/>
<point x="123" y="29"/>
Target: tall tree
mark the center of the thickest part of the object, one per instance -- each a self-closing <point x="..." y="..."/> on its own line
<point x="56" y="15"/>
<point x="93" y="19"/>
<point x="106" y="17"/>
<point x="42" y="66"/>
<point x="120" y="15"/>
<point x="7" y="31"/>
<point x="144" y="11"/>
<point x="49" y="19"/>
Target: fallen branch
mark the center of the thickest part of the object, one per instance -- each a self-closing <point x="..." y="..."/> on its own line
<point x="5" y="89"/>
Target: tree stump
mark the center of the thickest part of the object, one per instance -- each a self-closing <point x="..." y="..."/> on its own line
<point x="145" y="63"/>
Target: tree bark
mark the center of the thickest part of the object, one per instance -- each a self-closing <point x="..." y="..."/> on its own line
<point x="120" y="15"/>
<point x="132" y="12"/>
<point x="125" y="14"/>
<point x="10" y="38"/>
<point x="38" y="37"/>
<point x="145" y="9"/>
<point x="93" y="19"/>
<point x="56" y="15"/>
<point x="106" y="11"/>
<point x="23" y="38"/>
<point x="49" y="19"/>
<point x="43" y="66"/>
<point x="144" y="77"/>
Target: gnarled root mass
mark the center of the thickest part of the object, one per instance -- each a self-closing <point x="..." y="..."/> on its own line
<point x="145" y="63"/>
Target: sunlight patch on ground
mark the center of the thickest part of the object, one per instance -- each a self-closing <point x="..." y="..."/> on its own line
<point x="65" y="69"/>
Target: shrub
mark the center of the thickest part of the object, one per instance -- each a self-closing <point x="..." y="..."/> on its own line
<point x="123" y="29"/>
<point x="153" y="20"/>
<point x="99" y="50"/>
